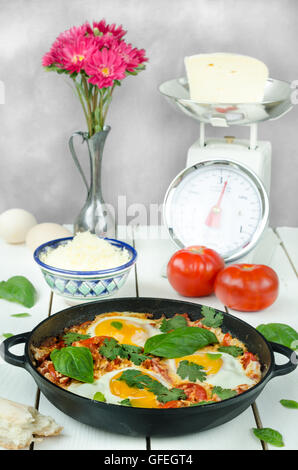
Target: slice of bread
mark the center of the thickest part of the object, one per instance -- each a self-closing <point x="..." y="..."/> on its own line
<point x="22" y="424"/>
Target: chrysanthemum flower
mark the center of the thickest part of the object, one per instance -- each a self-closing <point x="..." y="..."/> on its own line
<point x="74" y="54"/>
<point x="108" y="29"/>
<point x="131" y="56"/>
<point x="104" y="67"/>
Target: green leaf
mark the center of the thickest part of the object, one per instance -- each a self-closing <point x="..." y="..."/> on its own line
<point x="7" y="335"/>
<point x="191" y="371"/>
<point x="271" y="436"/>
<point x="173" y="323"/>
<point x="133" y="353"/>
<point x="203" y="402"/>
<point x="98" y="396"/>
<point x="213" y="356"/>
<point x="211" y="317"/>
<point x="290" y="404"/>
<point x="136" y="379"/>
<point x="180" y="342"/>
<point x="117" y="324"/>
<point x="234" y="351"/>
<point x="71" y="337"/>
<point x="74" y="362"/>
<point x="18" y="289"/>
<point x="223" y="393"/>
<point x="21" y="315"/>
<point x="125" y="402"/>
<point x="110" y="349"/>
<point x="280" y="333"/>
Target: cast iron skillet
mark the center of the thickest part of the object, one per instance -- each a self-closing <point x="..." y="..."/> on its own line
<point x="143" y="421"/>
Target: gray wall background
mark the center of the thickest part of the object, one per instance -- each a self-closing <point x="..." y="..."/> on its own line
<point x="149" y="139"/>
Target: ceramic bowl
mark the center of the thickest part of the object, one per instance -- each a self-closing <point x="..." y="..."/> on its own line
<point x="81" y="286"/>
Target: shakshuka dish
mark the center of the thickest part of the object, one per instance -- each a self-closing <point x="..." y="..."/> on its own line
<point x="131" y="359"/>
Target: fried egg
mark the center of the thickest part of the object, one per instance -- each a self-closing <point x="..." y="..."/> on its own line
<point x="114" y="390"/>
<point x="221" y="369"/>
<point x="125" y="329"/>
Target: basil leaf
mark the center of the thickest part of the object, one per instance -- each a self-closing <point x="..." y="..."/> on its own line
<point x="18" y="289"/>
<point x="211" y="317"/>
<point x="191" y="371"/>
<point x="180" y="342"/>
<point x="289" y="404"/>
<point x="125" y="402"/>
<point x="21" y="315"/>
<point x="98" y="396"/>
<point x="74" y="362"/>
<point x="269" y="435"/>
<point x="280" y="333"/>
<point x="223" y="393"/>
<point x="173" y="323"/>
<point x="213" y="356"/>
<point x="117" y="324"/>
<point x="203" y="402"/>
<point x="234" y="351"/>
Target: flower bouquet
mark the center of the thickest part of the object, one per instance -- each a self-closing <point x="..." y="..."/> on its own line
<point x="97" y="59"/>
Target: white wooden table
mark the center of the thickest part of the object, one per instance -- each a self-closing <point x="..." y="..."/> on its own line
<point x="279" y="250"/>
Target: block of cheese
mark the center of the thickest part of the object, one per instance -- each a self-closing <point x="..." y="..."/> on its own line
<point x="225" y="78"/>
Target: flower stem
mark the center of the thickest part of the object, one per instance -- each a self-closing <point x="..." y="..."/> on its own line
<point x="85" y="85"/>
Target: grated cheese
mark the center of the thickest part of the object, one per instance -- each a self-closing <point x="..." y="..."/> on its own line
<point x="86" y="252"/>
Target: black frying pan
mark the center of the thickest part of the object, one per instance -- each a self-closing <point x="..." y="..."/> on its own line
<point x="143" y="421"/>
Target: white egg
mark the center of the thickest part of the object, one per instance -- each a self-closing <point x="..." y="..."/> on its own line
<point x="15" y="224"/>
<point x="42" y="233"/>
<point x="103" y="385"/>
<point x="224" y="371"/>
<point x="125" y="329"/>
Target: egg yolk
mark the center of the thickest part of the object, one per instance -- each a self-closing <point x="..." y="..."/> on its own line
<point x="123" y="331"/>
<point x="138" y="398"/>
<point x="211" y="366"/>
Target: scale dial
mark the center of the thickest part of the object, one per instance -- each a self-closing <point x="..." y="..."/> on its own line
<point x="219" y="204"/>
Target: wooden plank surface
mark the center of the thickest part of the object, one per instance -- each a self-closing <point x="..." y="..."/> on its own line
<point x="154" y="253"/>
<point x="279" y="250"/>
<point x="75" y="434"/>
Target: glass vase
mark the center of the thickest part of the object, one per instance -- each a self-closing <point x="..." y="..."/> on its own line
<point x="95" y="215"/>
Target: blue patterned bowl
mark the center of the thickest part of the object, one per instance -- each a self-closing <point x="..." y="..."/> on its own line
<point x="84" y="285"/>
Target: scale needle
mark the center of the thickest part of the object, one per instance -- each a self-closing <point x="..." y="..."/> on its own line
<point x="213" y="218"/>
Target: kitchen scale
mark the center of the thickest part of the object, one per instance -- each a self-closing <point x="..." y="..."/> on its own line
<point x="221" y="198"/>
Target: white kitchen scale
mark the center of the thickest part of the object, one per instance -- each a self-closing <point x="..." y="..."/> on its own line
<point x="221" y="198"/>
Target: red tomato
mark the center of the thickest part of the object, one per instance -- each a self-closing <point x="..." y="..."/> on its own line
<point x="192" y="271"/>
<point x="194" y="392"/>
<point x="247" y="287"/>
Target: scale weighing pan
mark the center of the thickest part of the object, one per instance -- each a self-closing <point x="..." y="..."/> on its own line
<point x="276" y="102"/>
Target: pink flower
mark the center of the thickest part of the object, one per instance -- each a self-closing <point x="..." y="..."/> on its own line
<point x="109" y="30"/>
<point x="71" y="49"/>
<point x="104" y="67"/>
<point x="132" y="57"/>
<point x="75" y="53"/>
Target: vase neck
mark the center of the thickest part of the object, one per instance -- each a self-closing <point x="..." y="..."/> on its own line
<point x="96" y="146"/>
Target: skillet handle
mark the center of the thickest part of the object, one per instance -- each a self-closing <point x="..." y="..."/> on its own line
<point x="19" y="361"/>
<point x="290" y="354"/>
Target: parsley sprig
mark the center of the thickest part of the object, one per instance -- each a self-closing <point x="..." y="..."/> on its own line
<point x="191" y="371"/>
<point x="211" y="317"/>
<point x="71" y="337"/>
<point x="111" y="349"/>
<point x="136" y="379"/>
<point x="178" y="321"/>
